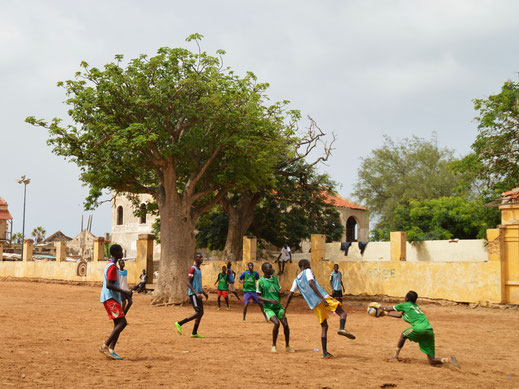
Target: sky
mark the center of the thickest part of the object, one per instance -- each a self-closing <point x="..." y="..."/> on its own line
<point x="362" y="69"/>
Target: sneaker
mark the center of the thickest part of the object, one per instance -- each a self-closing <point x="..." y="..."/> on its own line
<point x="113" y="355"/>
<point x="327" y="356"/>
<point x="219" y="309"/>
<point x="289" y="349"/>
<point x="273" y="349"/>
<point x="346" y="333"/>
<point x="454" y="362"/>
<point x="197" y="336"/>
<point x="104" y="350"/>
<point x="179" y="327"/>
<point x="228" y="308"/>
<point x="243" y="321"/>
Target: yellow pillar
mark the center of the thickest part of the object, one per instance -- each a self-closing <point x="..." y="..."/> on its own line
<point x="1" y="251"/>
<point x="99" y="249"/>
<point x="495" y="244"/>
<point x="61" y="251"/>
<point x="28" y="245"/>
<point x="145" y="254"/>
<point x="510" y="263"/>
<point x="318" y="247"/>
<point x="250" y="244"/>
<point x="398" y="241"/>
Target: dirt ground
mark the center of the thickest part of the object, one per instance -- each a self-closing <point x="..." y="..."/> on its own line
<point x="50" y="334"/>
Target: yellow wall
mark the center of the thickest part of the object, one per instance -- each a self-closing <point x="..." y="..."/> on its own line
<point x="455" y="281"/>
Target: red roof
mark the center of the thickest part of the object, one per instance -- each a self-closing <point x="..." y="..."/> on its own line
<point x="5" y="215"/>
<point x="2" y="201"/>
<point x="511" y="194"/>
<point x="340" y="201"/>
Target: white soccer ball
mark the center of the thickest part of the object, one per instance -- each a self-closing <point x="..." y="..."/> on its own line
<point x="373" y="311"/>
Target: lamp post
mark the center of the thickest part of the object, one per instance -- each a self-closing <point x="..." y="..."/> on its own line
<point x="24" y="181"/>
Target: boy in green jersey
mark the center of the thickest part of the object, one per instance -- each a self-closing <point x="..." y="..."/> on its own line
<point x="420" y="331"/>
<point x="248" y="278"/>
<point x="269" y="292"/>
<point x="222" y="287"/>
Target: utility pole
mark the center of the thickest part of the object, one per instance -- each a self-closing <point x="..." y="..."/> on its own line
<point x="23" y="180"/>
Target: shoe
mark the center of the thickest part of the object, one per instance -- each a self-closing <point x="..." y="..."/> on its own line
<point x="219" y="309"/>
<point x="289" y="349"/>
<point x="113" y="355"/>
<point x="327" y="356"/>
<point x="243" y="321"/>
<point x="454" y="362"/>
<point x="346" y="333"/>
<point x="179" y="327"/>
<point x="197" y="336"/>
<point x="228" y="308"/>
<point x="104" y="350"/>
<point x="273" y="349"/>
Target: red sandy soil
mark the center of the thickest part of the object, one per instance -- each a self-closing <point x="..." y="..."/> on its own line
<point x="50" y="334"/>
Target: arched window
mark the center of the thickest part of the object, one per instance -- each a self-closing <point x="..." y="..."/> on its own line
<point x="351" y="229"/>
<point x="119" y="215"/>
<point x="142" y="217"/>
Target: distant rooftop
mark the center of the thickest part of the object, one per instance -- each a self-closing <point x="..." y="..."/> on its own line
<point x="340" y="201"/>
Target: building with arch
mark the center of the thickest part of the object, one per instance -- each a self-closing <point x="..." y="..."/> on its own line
<point x="354" y="218"/>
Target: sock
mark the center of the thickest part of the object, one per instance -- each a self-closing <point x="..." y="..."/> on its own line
<point x="195" y="328"/>
<point x="445" y="360"/>
<point x="342" y="323"/>
<point x="109" y="349"/>
<point x="323" y="344"/>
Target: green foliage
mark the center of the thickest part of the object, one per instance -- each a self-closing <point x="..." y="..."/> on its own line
<point x="178" y="121"/>
<point x="212" y="230"/>
<point x="493" y="165"/>
<point x="441" y="218"/>
<point x="17" y="238"/>
<point x="398" y="172"/>
<point x="38" y="233"/>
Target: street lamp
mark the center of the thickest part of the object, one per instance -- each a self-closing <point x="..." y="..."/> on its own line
<point x="24" y="181"/>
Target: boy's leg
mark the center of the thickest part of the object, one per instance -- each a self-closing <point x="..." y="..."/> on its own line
<point x="284" y="321"/>
<point x="342" y="323"/>
<point x="129" y="303"/>
<point x="199" y="311"/>
<point x="119" y="324"/>
<point x="275" y="332"/>
<point x="279" y="266"/>
<point x="399" y="346"/>
<point x="263" y="310"/>
<point x="324" y="339"/>
<point x="245" y="309"/>
<point x="227" y="302"/>
<point x="219" y="302"/>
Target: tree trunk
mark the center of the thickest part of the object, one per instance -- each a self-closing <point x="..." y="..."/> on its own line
<point x="177" y="249"/>
<point x="240" y="219"/>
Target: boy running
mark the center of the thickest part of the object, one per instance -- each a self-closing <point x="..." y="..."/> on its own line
<point x="319" y="301"/>
<point x="126" y="301"/>
<point x="248" y="278"/>
<point x="194" y="283"/>
<point x="269" y="292"/>
<point x="336" y="283"/>
<point x="420" y="331"/>
<point x="111" y="299"/>
<point x="231" y="276"/>
<point x="222" y="287"/>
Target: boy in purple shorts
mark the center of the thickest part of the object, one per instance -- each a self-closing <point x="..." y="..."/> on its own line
<point x="248" y="278"/>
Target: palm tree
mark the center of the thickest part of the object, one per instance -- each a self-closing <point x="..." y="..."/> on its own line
<point x="17" y="238"/>
<point x="39" y="234"/>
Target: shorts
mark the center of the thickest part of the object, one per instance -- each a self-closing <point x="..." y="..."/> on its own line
<point x="337" y="293"/>
<point x="322" y="312"/>
<point x="221" y="293"/>
<point x="276" y="310"/>
<point x="114" y="309"/>
<point x="286" y="259"/>
<point x="424" y="338"/>
<point x="231" y="287"/>
<point x="247" y="296"/>
<point x="197" y="303"/>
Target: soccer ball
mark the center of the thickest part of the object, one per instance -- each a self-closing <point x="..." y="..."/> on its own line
<point x="374" y="311"/>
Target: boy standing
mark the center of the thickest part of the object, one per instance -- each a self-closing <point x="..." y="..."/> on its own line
<point x="248" y="278"/>
<point x="319" y="301"/>
<point x="420" y="331"/>
<point x="336" y="283"/>
<point x="111" y="299"/>
<point x="194" y="284"/>
<point x="222" y="287"/>
<point x="231" y="276"/>
<point x="126" y="301"/>
<point x="269" y="292"/>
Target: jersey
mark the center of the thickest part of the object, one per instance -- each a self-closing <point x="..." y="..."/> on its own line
<point x="302" y="283"/>
<point x="249" y="280"/>
<point x="413" y="315"/>
<point x="269" y="289"/>
<point x="124" y="279"/>
<point x="336" y="279"/>
<point x="222" y="281"/>
<point x="230" y="276"/>
<point x="111" y="273"/>
<point x="195" y="275"/>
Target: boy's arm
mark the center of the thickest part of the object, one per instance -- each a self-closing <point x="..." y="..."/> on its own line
<point x="111" y="285"/>
<point x="288" y="300"/>
<point x="391" y="311"/>
<point x="343" y="289"/>
<point x="314" y="288"/>
<point x="217" y="279"/>
<point x="242" y="277"/>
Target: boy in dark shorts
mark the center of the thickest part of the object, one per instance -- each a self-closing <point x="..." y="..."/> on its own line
<point x="194" y="284"/>
<point x="269" y="292"/>
<point x="420" y="331"/>
<point x="111" y="299"/>
<point x="320" y="302"/>
<point x="222" y="287"/>
<point x="126" y="301"/>
<point x="248" y="278"/>
<point x="231" y="276"/>
<point x="336" y="283"/>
